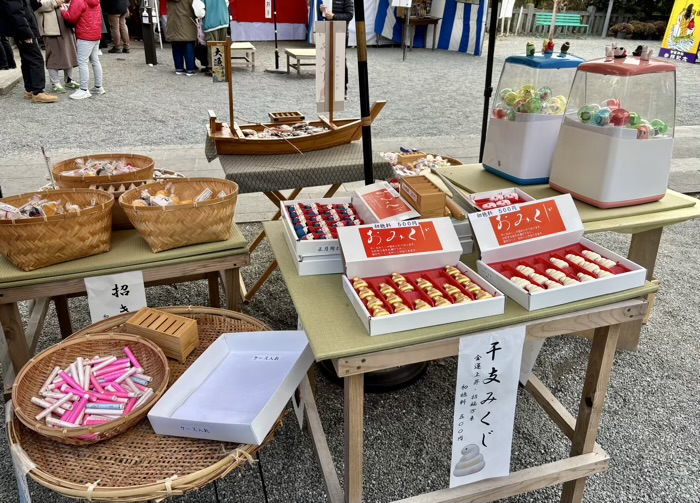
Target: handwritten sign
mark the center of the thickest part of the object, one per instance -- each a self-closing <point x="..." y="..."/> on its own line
<point x="400" y="238"/>
<point x="115" y="294"/>
<point x="268" y="9"/>
<point x="487" y="386"/>
<point x="330" y="61"/>
<point x="217" y="53"/>
<point x="528" y="222"/>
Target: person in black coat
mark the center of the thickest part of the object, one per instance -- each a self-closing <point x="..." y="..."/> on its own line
<point x="7" y="57"/>
<point x="117" y="11"/>
<point x="17" y="21"/>
<point x="343" y="10"/>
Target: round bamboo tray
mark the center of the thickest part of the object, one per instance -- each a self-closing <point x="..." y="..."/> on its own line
<point x="167" y="227"/>
<point x="139" y="465"/>
<point x="37" y="370"/>
<point x="144" y="163"/>
<point x="31" y="243"/>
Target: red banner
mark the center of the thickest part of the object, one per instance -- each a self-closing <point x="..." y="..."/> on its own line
<point x="253" y="11"/>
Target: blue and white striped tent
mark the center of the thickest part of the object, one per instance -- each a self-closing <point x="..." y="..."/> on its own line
<point x="462" y="27"/>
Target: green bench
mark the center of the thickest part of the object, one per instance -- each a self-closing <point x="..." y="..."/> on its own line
<point x="563" y="19"/>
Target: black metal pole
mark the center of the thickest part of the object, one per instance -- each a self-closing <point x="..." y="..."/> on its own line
<point x="274" y="20"/>
<point x="363" y="78"/>
<point x="488" y="89"/>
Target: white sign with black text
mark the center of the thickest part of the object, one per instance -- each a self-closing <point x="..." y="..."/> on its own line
<point x="268" y="9"/>
<point x="115" y="294"/>
<point x="487" y="388"/>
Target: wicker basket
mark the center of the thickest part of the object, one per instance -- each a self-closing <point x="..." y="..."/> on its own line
<point x="32" y="243"/>
<point x="169" y="227"/>
<point x="145" y="171"/>
<point x="37" y="370"/>
<point x="140" y="465"/>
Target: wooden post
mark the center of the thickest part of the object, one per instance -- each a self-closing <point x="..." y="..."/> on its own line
<point x="229" y="80"/>
<point x="331" y="61"/>
<point x="354" y="436"/>
<point x="530" y="17"/>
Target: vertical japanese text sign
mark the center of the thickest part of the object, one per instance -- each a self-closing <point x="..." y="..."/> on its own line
<point x="217" y="53"/>
<point x="487" y="387"/>
<point x="115" y="294"/>
<point x="324" y="68"/>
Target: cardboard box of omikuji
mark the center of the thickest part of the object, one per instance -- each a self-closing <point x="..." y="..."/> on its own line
<point x="237" y="388"/>
<point x="406" y="275"/>
<point x="311" y="225"/>
<point x="536" y="254"/>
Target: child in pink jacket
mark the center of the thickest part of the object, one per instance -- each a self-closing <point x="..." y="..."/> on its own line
<point x="86" y="15"/>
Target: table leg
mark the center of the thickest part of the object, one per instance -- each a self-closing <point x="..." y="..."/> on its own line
<point x="643" y="251"/>
<point x="287" y="64"/>
<point x="354" y="436"/>
<point x="213" y="280"/>
<point x="434" y="34"/>
<point x="595" y="386"/>
<point x="298" y="66"/>
<point x="233" y="289"/>
<point x="63" y="314"/>
<point x="17" y="345"/>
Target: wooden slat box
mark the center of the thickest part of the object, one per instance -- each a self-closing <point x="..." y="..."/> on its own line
<point x="424" y="196"/>
<point x="175" y="335"/>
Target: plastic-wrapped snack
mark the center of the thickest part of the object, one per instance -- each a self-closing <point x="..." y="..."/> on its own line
<point x="9" y="212"/>
<point x="221" y="195"/>
<point x="203" y="196"/>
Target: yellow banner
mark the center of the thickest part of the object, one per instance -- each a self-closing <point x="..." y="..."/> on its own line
<point x="681" y="41"/>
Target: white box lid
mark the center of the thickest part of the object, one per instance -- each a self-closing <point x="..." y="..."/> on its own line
<point x="383" y="248"/>
<point x="521" y="230"/>
<point x="379" y="202"/>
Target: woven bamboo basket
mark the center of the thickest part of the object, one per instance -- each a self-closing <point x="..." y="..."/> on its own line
<point x="144" y="163"/>
<point x="169" y="227"/>
<point x="37" y="370"/>
<point x="31" y="243"/>
<point x="140" y="465"/>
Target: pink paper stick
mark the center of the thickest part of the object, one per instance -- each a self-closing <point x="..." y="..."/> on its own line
<point x="93" y="422"/>
<point x="68" y="379"/>
<point x="95" y="384"/>
<point x="132" y="358"/>
<point x="118" y="388"/>
<point x="65" y="416"/>
<point x="130" y="406"/>
<point x="77" y="410"/>
<point x="110" y="369"/>
<point x="140" y="387"/>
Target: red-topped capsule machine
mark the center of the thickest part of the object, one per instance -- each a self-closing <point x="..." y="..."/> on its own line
<point x="615" y="144"/>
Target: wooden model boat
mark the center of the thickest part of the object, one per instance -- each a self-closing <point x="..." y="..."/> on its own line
<point x="336" y="133"/>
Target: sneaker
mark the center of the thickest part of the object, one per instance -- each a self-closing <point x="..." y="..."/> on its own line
<point x="114" y="50"/>
<point x="58" y="89"/>
<point x="72" y="85"/>
<point x="100" y="53"/>
<point x="28" y="95"/>
<point x="44" y="98"/>
<point x="189" y="74"/>
<point x="179" y="72"/>
<point x="98" y="91"/>
<point x="126" y="50"/>
<point x="80" y="94"/>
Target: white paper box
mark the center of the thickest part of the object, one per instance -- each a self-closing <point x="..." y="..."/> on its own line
<point x="236" y="389"/>
<point x="429" y="317"/>
<point x="357" y="263"/>
<point x="493" y="252"/>
<point x="306" y="247"/>
<point x="472" y="198"/>
<point x="370" y="213"/>
<point x="313" y="265"/>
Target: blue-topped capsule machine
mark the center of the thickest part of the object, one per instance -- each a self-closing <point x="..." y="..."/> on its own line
<point x="527" y="113"/>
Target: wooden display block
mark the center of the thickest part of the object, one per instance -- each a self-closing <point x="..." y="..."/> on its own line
<point x="424" y="196"/>
<point x="284" y="117"/>
<point x="408" y="159"/>
<point x="175" y="335"/>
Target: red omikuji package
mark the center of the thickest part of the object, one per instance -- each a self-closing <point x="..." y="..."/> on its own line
<point x="407" y="275"/>
<point x="536" y="254"/>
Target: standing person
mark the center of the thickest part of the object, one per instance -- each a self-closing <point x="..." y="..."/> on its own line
<point x="343" y="10"/>
<point x="7" y="57"/>
<point x="215" y="24"/>
<point x="17" y="21"/>
<point x="182" y="34"/>
<point x="117" y="12"/>
<point x="59" y="41"/>
<point x="86" y="15"/>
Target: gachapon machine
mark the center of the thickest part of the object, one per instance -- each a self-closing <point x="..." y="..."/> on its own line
<point x="616" y="140"/>
<point x="528" y="110"/>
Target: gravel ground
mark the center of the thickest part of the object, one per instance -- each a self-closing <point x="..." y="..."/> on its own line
<point x="650" y="427"/>
<point x="432" y="93"/>
<point x="651" y="423"/>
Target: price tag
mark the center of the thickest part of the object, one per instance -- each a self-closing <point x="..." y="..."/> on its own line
<point x="400" y="3"/>
<point x="487" y="387"/>
<point x="268" y="9"/>
<point x="115" y="294"/>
